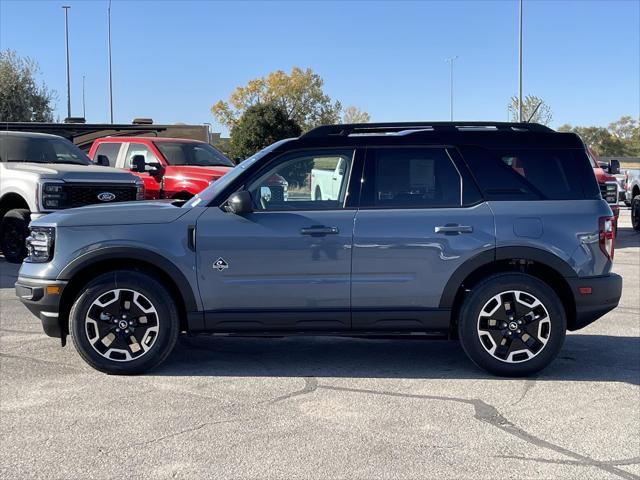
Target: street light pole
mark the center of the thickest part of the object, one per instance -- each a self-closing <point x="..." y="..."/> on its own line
<point x="451" y="60"/>
<point x="66" y="34"/>
<point x="110" y="78"/>
<point x="84" y="111"/>
<point x="520" y="106"/>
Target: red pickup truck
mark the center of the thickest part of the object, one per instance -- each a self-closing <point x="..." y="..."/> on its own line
<point x="608" y="185"/>
<point x="170" y="167"/>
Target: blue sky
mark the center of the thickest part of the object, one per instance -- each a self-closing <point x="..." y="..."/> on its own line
<point x="172" y="60"/>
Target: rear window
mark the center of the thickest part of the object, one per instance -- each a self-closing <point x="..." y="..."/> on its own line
<point x="533" y="174"/>
<point x="109" y="150"/>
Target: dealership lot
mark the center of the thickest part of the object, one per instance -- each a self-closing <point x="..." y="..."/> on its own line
<point x="324" y="407"/>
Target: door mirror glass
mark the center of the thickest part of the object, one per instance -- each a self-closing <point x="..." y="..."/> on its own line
<point x="240" y="203"/>
<point x="138" y="164"/>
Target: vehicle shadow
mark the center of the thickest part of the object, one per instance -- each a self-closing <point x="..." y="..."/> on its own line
<point x="627" y="237"/>
<point x="8" y="273"/>
<point x="583" y="358"/>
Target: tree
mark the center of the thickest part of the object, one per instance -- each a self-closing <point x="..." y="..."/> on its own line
<point x="259" y="126"/>
<point x="599" y="139"/>
<point x="299" y="95"/>
<point x="355" y="115"/>
<point x="534" y="110"/>
<point x="21" y="99"/>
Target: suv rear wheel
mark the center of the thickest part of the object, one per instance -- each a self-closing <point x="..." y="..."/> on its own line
<point x="512" y="324"/>
<point x="14" y="229"/>
<point x="124" y="322"/>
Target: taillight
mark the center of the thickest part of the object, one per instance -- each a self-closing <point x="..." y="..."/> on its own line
<point x="607" y="236"/>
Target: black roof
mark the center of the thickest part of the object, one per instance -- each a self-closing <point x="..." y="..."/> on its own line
<point x="480" y="133"/>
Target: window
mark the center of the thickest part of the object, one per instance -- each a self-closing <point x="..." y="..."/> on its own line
<point x="304" y="181"/>
<point x="415" y="178"/>
<point x="40" y="149"/>
<point x="185" y="153"/>
<point x="140" y="149"/>
<point x="109" y="150"/>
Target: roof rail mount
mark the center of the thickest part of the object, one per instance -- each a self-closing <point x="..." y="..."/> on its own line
<point x="345" y="130"/>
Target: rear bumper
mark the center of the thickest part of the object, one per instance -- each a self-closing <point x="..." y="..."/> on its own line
<point x="42" y="298"/>
<point x="604" y="297"/>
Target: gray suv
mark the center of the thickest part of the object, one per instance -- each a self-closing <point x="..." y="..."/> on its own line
<point x="491" y="233"/>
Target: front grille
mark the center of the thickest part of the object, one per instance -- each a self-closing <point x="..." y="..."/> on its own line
<point x="611" y="196"/>
<point x="80" y="195"/>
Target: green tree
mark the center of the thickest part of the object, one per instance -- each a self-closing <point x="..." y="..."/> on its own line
<point x="534" y="110"/>
<point x="299" y="95"/>
<point x="21" y="98"/>
<point x="601" y="140"/>
<point x="259" y="126"/>
<point x="355" y="115"/>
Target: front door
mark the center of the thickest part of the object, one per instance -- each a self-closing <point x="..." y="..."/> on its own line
<point x="152" y="183"/>
<point x="286" y="265"/>
<point x="413" y="230"/>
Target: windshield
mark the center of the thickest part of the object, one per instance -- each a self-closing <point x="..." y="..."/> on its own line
<point x="205" y="196"/>
<point x="18" y="148"/>
<point x="196" y="154"/>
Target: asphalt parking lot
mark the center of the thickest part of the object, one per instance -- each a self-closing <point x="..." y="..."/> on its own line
<point x="324" y="407"/>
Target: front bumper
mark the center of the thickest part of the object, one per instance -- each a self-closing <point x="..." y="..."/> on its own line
<point x="42" y="298"/>
<point x="604" y="297"/>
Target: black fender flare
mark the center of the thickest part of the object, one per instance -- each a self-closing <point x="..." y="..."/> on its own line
<point x="155" y="259"/>
<point x="501" y="253"/>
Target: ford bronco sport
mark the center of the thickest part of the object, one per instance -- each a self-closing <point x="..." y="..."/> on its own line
<point x="493" y="233"/>
<point x="42" y="173"/>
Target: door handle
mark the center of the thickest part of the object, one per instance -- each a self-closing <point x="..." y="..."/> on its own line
<point x="454" y="229"/>
<point x="319" y="231"/>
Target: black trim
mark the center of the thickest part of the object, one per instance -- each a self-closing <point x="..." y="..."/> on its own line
<point x="33" y="294"/>
<point x="604" y="297"/>
<point x="130" y="253"/>
<point x="462" y="272"/>
<point x="537" y="255"/>
<point x="401" y="320"/>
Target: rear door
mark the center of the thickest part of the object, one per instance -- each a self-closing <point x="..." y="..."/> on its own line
<point x="420" y="218"/>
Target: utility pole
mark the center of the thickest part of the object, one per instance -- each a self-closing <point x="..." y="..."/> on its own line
<point x="84" y="111"/>
<point x="520" y="106"/>
<point x="110" y="78"/>
<point x="66" y="30"/>
<point x="451" y="60"/>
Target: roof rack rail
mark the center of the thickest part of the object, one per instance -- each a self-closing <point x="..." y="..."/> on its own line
<point x="345" y="130"/>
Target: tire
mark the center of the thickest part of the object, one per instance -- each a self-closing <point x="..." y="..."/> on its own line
<point x="635" y="212"/>
<point x="14" y="230"/>
<point x="99" y="318"/>
<point x="318" y="194"/>
<point x="534" y="304"/>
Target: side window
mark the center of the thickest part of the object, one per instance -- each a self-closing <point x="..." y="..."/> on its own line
<point x="109" y="150"/>
<point x="304" y="181"/>
<point x="414" y="178"/>
<point x="139" y="149"/>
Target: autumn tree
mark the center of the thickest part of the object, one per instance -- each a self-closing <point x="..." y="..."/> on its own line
<point x="299" y="94"/>
<point x="355" y="115"/>
<point x="259" y="126"/>
<point x="534" y="110"/>
<point x="21" y="98"/>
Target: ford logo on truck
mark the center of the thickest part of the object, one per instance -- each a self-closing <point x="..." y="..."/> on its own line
<point x="106" y="197"/>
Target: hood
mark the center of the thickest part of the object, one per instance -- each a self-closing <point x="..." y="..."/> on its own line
<point x="73" y="173"/>
<point x="124" y="213"/>
<point x="204" y="173"/>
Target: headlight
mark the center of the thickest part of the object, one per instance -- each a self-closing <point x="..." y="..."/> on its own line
<point x="53" y="196"/>
<point x="139" y="190"/>
<point x="40" y="244"/>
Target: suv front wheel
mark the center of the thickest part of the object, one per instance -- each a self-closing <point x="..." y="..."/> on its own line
<point x="124" y="322"/>
<point x="512" y="324"/>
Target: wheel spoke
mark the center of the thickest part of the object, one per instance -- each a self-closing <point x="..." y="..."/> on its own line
<point x="502" y="350"/>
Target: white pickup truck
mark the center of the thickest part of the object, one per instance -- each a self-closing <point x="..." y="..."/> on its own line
<point x="326" y="184"/>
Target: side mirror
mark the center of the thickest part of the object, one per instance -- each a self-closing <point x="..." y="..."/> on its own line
<point x="138" y="164"/>
<point x="240" y="203"/>
<point x="614" y="167"/>
<point x="102" y="160"/>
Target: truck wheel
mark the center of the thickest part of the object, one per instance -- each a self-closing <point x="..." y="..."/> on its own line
<point x="512" y="324"/>
<point x="635" y="212"/>
<point x="124" y="322"/>
<point x="318" y="194"/>
<point x="14" y="230"/>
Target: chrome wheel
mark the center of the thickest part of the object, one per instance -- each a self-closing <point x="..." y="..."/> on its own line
<point x="122" y="325"/>
<point x="514" y="326"/>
